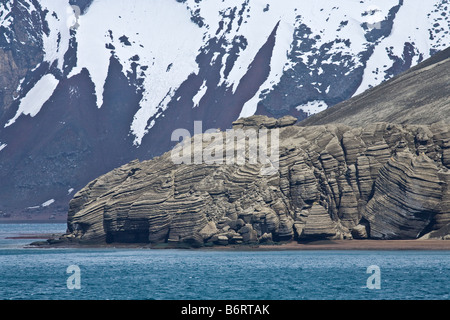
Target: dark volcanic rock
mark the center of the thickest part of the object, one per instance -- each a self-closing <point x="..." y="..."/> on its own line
<point x="419" y="95"/>
<point x="334" y="182"/>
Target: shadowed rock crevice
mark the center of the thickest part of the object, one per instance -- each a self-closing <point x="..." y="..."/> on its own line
<point x="383" y="181"/>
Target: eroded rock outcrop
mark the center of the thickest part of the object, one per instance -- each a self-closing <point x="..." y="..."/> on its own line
<point x="333" y="182"/>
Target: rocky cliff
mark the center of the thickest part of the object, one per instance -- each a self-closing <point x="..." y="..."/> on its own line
<point x="382" y="181"/>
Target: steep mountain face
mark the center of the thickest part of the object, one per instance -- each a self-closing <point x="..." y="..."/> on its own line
<point x="383" y="181"/>
<point x="88" y="85"/>
<point x="400" y="100"/>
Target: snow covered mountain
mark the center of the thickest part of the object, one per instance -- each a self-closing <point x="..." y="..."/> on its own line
<point x="87" y="85"/>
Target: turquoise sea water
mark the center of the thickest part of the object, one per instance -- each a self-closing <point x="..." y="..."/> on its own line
<point x="135" y="274"/>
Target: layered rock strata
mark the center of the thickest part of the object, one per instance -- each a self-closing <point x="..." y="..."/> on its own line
<point x="383" y="181"/>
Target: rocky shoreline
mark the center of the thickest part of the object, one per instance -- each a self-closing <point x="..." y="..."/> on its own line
<point x="377" y="245"/>
<point x="48" y="236"/>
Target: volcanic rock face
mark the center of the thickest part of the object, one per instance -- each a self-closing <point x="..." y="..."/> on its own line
<point x="333" y="182"/>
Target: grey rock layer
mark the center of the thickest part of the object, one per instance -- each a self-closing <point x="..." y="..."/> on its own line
<point x="385" y="181"/>
<point x="417" y="96"/>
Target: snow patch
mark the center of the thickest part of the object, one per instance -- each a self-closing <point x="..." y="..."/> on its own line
<point x="5" y="9"/>
<point x="413" y="24"/>
<point x="33" y="101"/>
<point x="325" y="22"/>
<point x="201" y="92"/>
<point x="48" y="203"/>
<point x="373" y="16"/>
<point x="159" y="34"/>
<point x="56" y="43"/>
<point x="312" y="107"/>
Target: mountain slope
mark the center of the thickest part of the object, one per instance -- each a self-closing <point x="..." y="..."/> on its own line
<point x="87" y="88"/>
<point x="418" y="96"/>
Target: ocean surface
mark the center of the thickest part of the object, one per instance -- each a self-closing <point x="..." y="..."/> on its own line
<point x="136" y="274"/>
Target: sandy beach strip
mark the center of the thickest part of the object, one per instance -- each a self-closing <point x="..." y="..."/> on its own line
<point x="362" y="245"/>
<point x="431" y="244"/>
